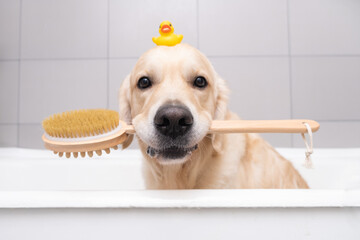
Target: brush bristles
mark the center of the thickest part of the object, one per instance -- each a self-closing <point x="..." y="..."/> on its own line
<point x="81" y="123"/>
<point x="83" y="154"/>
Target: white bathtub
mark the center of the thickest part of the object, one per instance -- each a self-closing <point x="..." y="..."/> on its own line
<point x="46" y="197"/>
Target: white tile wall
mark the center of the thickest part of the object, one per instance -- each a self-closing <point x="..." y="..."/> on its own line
<point x="9" y="91"/>
<point x="278" y="140"/>
<point x="134" y="23"/>
<point x="8" y="135"/>
<point x="282" y="59"/>
<point x="9" y="29"/>
<point x="30" y="136"/>
<point x="325" y="26"/>
<point x="64" y="29"/>
<point x="326" y="88"/>
<point x="118" y="70"/>
<point x="259" y="86"/>
<point x="257" y="27"/>
<point x="54" y="86"/>
<point x="334" y="134"/>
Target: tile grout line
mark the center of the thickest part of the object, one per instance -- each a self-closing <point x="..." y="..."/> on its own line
<point x="108" y="57"/>
<point x="19" y="78"/>
<point x="9" y="59"/>
<point x="339" y="120"/>
<point x="64" y="59"/>
<point x="290" y="65"/>
<point x="198" y="24"/>
<point x="15" y="124"/>
<point x="286" y="55"/>
<point x="209" y="56"/>
<point x="247" y="56"/>
<point x="321" y="121"/>
<point x="323" y="55"/>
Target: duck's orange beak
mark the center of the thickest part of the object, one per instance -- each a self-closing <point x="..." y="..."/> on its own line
<point x="165" y="28"/>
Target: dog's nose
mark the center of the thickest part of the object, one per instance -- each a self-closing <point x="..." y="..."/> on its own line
<point x="173" y="120"/>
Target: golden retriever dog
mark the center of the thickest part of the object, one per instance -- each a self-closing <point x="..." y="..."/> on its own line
<point x="171" y="96"/>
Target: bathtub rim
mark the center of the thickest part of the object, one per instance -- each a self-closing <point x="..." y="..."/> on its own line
<point x="225" y="198"/>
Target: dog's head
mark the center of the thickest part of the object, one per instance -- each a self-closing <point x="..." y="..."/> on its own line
<point x="171" y="96"/>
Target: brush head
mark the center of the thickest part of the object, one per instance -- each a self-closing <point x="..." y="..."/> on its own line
<point x="81" y="123"/>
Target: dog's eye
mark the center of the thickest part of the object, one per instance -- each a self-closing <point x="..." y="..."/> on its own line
<point x="200" y="82"/>
<point x="143" y="83"/>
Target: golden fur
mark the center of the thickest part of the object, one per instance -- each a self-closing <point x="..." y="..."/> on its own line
<point x="221" y="160"/>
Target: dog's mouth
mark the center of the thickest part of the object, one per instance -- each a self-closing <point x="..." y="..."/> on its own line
<point x="171" y="153"/>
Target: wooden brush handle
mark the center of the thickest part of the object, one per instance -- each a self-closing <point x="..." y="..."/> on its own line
<point x="263" y="126"/>
<point x="256" y="126"/>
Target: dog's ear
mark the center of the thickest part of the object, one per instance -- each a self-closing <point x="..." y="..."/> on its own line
<point x="222" y="96"/>
<point x="222" y="93"/>
<point x="125" y="109"/>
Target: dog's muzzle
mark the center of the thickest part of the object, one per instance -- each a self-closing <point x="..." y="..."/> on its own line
<point x="173" y="121"/>
<point x="173" y="124"/>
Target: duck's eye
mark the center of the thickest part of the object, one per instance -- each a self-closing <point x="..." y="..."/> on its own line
<point x="143" y="83"/>
<point x="170" y="25"/>
<point x="200" y="82"/>
<point x="160" y="26"/>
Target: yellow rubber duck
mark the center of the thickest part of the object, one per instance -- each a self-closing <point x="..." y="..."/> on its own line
<point x="167" y="36"/>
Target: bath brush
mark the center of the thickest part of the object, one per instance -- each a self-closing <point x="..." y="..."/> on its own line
<point x="97" y="130"/>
